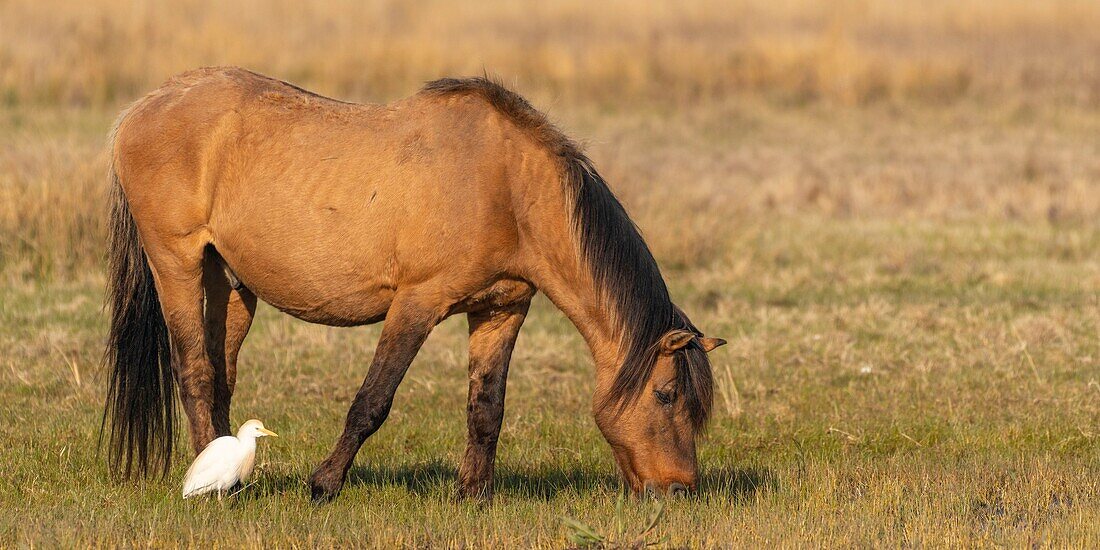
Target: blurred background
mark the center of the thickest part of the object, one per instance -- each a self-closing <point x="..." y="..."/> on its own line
<point x="854" y="52"/>
<point x="735" y="109"/>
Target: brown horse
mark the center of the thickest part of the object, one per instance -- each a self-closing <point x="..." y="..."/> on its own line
<point x="228" y="186"/>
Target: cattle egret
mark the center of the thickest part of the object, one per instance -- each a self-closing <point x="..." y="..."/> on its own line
<point x="225" y="461"/>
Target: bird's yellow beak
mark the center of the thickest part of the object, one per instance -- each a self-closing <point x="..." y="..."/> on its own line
<point x="266" y="431"/>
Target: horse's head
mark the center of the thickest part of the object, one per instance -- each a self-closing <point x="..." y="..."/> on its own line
<point x="652" y="424"/>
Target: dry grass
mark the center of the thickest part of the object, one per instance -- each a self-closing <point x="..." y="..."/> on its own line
<point x="52" y="192"/>
<point x="692" y="177"/>
<point x="890" y="209"/>
<point x="851" y="51"/>
<point x="843" y="109"/>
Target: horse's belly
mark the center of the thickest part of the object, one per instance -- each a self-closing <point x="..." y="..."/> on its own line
<point x="336" y="304"/>
<point x="349" y="309"/>
<point x="331" y="288"/>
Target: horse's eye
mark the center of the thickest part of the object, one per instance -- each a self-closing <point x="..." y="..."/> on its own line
<point x="664" y="398"/>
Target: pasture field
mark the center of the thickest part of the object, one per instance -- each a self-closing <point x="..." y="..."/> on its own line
<point x="892" y="214"/>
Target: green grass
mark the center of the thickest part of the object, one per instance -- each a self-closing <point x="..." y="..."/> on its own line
<point x="887" y="383"/>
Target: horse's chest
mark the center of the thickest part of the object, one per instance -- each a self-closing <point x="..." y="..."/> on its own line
<point x="498" y="295"/>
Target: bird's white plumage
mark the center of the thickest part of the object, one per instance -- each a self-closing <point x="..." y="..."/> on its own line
<point x="217" y="468"/>
<point x="224" y="461"/>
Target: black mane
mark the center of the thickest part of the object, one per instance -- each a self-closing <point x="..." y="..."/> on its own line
<point x="628" y="277"/>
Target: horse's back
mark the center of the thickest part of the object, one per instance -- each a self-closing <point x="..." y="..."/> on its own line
<point x="324" y="208"/>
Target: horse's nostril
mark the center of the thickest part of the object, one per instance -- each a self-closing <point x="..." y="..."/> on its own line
<point x="677" y="490"/>
<point x="650" y="489"/>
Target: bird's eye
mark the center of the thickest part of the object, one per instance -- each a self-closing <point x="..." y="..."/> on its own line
<point x="663" y="397"/>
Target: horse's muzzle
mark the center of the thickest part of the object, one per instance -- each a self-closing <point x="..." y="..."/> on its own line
<point x="674" y="490"/>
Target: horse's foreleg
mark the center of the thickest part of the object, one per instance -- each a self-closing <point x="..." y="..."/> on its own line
<point x="405" y="328"/>
<point x="492" y="338"/>
<point x="229" y="315"/>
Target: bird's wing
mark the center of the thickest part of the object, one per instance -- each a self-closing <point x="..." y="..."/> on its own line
<point x="247" y="462"/>
<point x="210" y="466"/>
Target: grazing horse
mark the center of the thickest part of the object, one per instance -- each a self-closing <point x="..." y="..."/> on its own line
<point x="228" y="186"/>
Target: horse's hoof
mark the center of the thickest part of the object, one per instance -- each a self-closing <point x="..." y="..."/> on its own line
<point x="320" y="495"/>
<point x="480" y="495"/>
<point x="322" y="490"/>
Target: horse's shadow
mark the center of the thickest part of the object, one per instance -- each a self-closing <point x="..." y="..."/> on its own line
<point x="436" y="477"/>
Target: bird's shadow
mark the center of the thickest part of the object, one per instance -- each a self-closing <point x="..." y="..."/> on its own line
<point x="435" y="477"/>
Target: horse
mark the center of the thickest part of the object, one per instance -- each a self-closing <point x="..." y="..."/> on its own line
<point x="228" y="186"/>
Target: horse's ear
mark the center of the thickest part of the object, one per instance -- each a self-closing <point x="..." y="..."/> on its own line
<point x="674" y="340"/>
<point x="710" y="343"/>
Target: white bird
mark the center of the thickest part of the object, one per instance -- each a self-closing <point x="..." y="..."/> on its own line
<point x="225" y="461"/>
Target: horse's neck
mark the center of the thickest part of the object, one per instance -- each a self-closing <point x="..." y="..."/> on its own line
<point x="560" y="268"/>
<point x="567" y="282"/>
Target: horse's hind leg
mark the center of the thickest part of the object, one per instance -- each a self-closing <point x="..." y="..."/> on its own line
<point x="178" y="269"/>
<point x="408" y="323"/>
<point x="229" y="312"/>
<point x="492" y="338"/>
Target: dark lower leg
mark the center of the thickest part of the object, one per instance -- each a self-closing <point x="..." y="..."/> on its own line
<point x="195" y="391"/>
<point x="182" y="302"/>
<point x="229" y="315"/>
<point x="405" y="329"/>
<point x="492" y="338"/>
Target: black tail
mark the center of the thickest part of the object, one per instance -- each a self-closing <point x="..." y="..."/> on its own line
<point x="140" y="405"/>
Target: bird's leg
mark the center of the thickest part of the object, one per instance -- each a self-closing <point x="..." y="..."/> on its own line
<point x="407" y="325"/>
<point x="492" y="338"/>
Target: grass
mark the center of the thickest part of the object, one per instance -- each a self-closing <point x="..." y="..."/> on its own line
<point x="949" y="401"/>
<point x="891" y="213"/>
